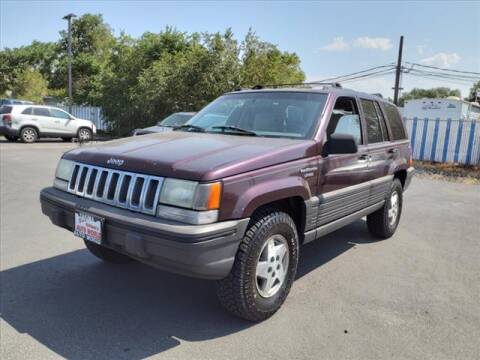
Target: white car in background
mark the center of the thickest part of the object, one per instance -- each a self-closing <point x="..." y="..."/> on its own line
<point x="31" y="122"/>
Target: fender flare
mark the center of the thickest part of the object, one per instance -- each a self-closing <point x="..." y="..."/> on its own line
<point x="270" y="191"/>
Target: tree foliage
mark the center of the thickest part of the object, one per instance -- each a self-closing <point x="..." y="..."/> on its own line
<point x="138" y="81"/>
<point x="473" y="92"/>
<point x="435" y="93"/>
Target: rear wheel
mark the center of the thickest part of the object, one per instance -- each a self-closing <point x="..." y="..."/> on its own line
<point x="29" y="134"/>
<point x="264" y="268"/>
<point x="383" y="222"/>
<point x="11" y="138"/>
<point x="85" y="135"/>
<point x="107" y="254"/>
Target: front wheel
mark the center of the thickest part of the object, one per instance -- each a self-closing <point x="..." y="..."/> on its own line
<point x="85" y="135"/>
<point x="264" y="268"/>
<point x="383" y="222"/>
<point x="107" y="254"/>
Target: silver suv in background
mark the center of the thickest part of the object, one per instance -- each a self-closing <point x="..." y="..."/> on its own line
<point x="31" y="122"/>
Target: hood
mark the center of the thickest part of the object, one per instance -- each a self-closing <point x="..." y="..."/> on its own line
<point x="193" y="156"/>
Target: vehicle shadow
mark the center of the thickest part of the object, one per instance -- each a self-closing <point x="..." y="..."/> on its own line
<point x="82" y="308"/>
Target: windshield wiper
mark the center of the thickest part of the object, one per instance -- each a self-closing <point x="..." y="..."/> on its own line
<point x="189" y="127"/>
<point x="235" y="129"/>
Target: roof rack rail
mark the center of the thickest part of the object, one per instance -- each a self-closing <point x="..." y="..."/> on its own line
<point x="378" y="94"/>
<point x="305" y="84"/>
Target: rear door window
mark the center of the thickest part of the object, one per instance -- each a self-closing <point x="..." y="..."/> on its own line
<point x="395" y="122"/>
<point x="375" y="133"/>
<point x="41" y="112"/>
<point x="59" y="114"/>
<point x="27" y="111"/>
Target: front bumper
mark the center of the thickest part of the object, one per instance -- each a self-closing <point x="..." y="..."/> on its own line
<point x="203" y="251"/>
<point x="8" y="131"/>
<point x="408" y="180"/>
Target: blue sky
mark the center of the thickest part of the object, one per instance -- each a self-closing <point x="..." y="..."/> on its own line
<point x="331" y="38"/>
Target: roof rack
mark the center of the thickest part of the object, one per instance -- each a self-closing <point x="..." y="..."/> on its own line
<point x="304" y="84"/>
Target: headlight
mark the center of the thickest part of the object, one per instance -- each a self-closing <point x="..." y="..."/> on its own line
<point x="63" y="173"/>
<point x="191" y="194"/>
<point x="190" y="201"/>
<point x="64" y="169"/>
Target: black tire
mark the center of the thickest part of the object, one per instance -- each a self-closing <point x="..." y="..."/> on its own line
<point x="84" y="135"/>
<point x="29" y="134"/>
<point x="239" y="292"/>
<point x="107" y="254"/>
<point x="11" y="138"/>
<point x="379" y="224"/>
<point x="67" y="139"/>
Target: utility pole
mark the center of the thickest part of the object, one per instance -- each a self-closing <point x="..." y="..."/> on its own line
<point x="398" y="72"/>
<point x="69" y="19"/>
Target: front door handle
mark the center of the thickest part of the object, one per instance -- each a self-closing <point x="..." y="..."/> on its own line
<point x="364" y="157"/>
<point x="393" y="151"/>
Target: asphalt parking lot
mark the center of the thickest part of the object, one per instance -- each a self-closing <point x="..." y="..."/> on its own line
<point x="414" y="296"/>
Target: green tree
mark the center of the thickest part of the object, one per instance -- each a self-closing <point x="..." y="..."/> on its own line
<point x="92" y="44"/>
<point x="30" y="85"/>
<point x="434" y="93"/>
<point x="264" y="64"/>
<point x="472" y="96"/>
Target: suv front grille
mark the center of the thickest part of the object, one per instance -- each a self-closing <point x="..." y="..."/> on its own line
<point x="128" y="190"/>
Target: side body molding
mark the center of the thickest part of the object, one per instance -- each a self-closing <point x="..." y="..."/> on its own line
<point x="330" y="211"/>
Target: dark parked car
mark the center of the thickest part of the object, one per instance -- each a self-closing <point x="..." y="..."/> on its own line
<point x="232" y="195"/>
<point x="167" y="124"/>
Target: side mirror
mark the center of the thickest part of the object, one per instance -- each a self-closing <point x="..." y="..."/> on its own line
<point x="341" y="144"/>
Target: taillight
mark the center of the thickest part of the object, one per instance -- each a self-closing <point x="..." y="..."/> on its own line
<point x="7" y="120"/>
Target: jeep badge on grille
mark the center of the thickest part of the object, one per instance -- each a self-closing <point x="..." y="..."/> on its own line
<point x="117" y="162"/>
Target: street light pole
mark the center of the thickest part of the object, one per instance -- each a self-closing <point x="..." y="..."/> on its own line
<point x="69" y="19"/>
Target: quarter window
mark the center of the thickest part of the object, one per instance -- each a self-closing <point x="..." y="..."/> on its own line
<point x="374" y="127"/>
<point x="395" y="122"/>
<point x="41" y="112"/>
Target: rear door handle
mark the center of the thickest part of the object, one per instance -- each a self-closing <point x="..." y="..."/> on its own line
<point x="393" y="151"/>
<point x="364" y="157"/>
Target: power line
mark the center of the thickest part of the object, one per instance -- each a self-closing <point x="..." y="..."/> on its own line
<point x="444" y="69"/>
<point x="358" y="72"/>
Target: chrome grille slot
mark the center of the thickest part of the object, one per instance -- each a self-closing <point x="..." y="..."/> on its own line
<point x="124" y="189"/>
<point x="73" y="180"/>
<point x="81" y="181"/>
<point x="112" y="186"/>
<point x="91" y="182"/>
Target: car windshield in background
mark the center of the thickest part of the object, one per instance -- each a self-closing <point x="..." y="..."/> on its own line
<point x="270" y="114"/>
<point x="175" y="120"/>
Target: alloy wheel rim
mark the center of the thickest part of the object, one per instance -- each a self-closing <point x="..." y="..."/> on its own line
<point x="28" y="135"/>
<point x="84" y="135"/>
<point x="272" y="266"/>
<point x="393" y="209"/>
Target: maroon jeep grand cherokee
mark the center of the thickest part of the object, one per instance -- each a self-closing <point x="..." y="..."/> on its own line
<point x="232" y="194"/>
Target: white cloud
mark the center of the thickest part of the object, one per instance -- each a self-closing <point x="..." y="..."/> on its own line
<point x="372" y="43"/>
<point x="338" y="44"/>
<point x="441" y="60"/>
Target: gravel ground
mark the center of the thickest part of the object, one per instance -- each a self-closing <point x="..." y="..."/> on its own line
<point x="414" y="296"/>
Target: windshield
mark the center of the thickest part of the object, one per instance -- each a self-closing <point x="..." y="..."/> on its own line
<point x="271" y="114"/>
<point x="175" y="120"/>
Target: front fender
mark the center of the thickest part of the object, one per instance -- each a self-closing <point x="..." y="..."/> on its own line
<point x="269" y="191"/>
